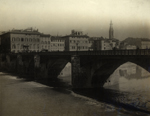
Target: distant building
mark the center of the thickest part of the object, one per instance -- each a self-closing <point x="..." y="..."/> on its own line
<point x="76" y="41"/>
<point x="114" y="43"/>
<point x="102" y="44"/>
<point x="96" y="42"/>
<point x="105" y="44"/>
<point x="145" y="43"/>
<point x="91" y="44"/>
<point x="57" y="43"/>
<point x="20" y="40"/>
<point x="133" y="43"/>
<point x="129" y="47"/>
<point x="45" y="42"/>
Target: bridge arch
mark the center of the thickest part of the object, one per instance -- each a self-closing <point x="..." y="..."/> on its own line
<point x="102" y="73"/>
<point x="55" y="66"/>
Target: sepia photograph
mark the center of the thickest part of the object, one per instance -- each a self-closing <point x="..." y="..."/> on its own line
<point x="74" y="57"/>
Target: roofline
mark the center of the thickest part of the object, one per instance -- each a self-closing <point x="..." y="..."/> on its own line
<point x="76" y="36"/>
<point x="22" y="32"/>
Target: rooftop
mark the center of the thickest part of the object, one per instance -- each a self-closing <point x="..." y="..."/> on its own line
<point x="56" y="38"/>
<point x="22" y="31"/>
<point x="45" y="35"/>
<point x="145" y="39"/>
<point x="79" y="36"/>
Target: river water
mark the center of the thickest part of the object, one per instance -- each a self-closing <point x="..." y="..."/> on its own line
<point x="126" y="93"/>
<point x="131" y="84"/>
<point x="127" y="87"/>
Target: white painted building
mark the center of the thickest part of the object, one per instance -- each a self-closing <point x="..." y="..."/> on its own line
<point x="129" y="47"/>
<point x="57" y="43"/>
<point x="145" y="44"/>
<point x="21" y="40"/>
<point x="76" y="41"/>
<point x="45" y="40"/>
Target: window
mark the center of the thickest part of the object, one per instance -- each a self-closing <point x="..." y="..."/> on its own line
<point x="73" y="47"/>
<point x="30" y="46"/>
<point x="13" y="46"/>
<point x="18" y="46"/>
<point x="21" y="46"/>
<point x="13" y="39"/>
<point x="38" y="46"/>
<point x="21" y="39"/>
<point x="34" y="46"/>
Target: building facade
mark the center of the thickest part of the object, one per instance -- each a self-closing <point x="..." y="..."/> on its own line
<point x="101" y="43"/>
<point x="45" y="42"/>
<point x="76" y="41"/>
<point x="145" y="44"/>
<point x="134" y="43"/>
<point x="57" y="43"/>
<point x="20" y="41"/>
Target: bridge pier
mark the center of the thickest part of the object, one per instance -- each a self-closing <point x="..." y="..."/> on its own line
<point x="8" y="63"/>
<point x="19" y="64"/>
<point x="80" y="75"/>
<point x="3" y="62"/>
<point x="36" y="67"/>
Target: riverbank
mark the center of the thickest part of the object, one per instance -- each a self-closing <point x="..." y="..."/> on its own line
<point x="19" y="97"/>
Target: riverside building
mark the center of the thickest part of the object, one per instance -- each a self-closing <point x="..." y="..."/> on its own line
<point x="57" y="43"/>
<point x="76" y="41"/>
<point x="20" y="41"/>
<point x="45" y="42"/>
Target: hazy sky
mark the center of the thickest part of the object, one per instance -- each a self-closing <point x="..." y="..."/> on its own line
<point x="131" y="18"/>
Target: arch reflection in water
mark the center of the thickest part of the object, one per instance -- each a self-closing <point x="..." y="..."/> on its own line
<point x="129" y="77"/>
<point x="131" y="83"/>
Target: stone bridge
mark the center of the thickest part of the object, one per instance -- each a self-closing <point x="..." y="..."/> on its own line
<point x="89" y="68"/>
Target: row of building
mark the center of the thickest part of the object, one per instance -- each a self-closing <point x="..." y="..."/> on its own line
<point x="134" y="43"/>
<point x="32" y="40"/>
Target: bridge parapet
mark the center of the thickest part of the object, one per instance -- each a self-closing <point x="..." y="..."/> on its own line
<point x="100" y="52"/>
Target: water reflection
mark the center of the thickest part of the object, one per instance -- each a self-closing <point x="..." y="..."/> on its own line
<point x="129" y="77"/>
<point x="131" y="83"/>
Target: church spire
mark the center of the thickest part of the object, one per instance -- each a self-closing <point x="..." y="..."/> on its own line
<point x="111" y="31"/>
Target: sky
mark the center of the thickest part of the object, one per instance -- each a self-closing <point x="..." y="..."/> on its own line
<point x="131" y="18"/>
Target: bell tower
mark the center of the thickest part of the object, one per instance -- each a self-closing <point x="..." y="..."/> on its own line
<point x="111" y="31"/>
